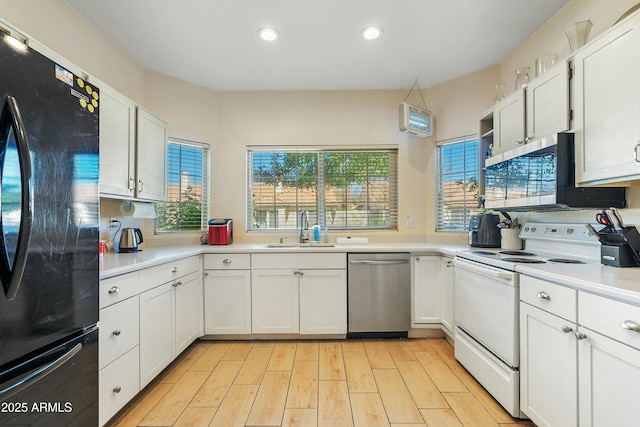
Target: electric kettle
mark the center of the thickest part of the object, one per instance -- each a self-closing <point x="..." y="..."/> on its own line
<point x="130" y="238"/>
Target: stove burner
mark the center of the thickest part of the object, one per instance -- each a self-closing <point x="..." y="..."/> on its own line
<point x="483" y="253"/>
<point x="520" y="253"/>
<point x="524" y="260"/>
<point x="566" y="261"/>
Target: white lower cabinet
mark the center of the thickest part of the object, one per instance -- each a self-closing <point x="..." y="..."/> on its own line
<point x="548" y="368"/>
<point x="299" y="293"/>
<point x="170" y="315"/>
<point x="227" y="300"/>
<point x="609" y="362"/>
<point x="189" y="307"/>
<point x="579" y="357"/>
<point x="118" y="344"/>
<point x="446" y="294"/>
<point x="119" y="383"/>
<point x="323" y="302"/>
<point x="274" y="297"/>
<point x="227" y="294"/>
<point x="433" y="291"/>
<point x="157" y="329"/>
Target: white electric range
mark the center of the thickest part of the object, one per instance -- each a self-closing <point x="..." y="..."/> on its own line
<point x="487" y="302"/>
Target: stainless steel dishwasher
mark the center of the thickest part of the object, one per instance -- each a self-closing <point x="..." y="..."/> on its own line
<point x="379" y="295"/>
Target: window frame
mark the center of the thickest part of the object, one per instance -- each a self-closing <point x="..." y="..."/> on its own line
<point x="468" y="208"/>
<point x="205" y="203"/>
<point x="319" y="215"/>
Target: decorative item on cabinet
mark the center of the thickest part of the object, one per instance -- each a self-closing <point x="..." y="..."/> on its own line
<point x="544" y="62"/>
<point x="522" y="77"/>
<point x="578" y="34"/>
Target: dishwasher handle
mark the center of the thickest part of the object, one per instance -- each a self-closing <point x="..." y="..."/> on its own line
<point x="495" y="273"/>
<point x="377" y="262"/>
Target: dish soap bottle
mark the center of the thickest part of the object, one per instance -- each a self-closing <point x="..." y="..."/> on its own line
<point x="316" y="233"/>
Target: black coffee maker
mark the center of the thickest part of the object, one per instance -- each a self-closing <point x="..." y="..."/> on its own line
<point x="484" y="231"/>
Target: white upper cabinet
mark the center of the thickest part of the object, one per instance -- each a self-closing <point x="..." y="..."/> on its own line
<point x="151" y="156"/>
<point x="607" y="106"/>
<point x="117" y="144"/>
<point x="509" y="122"/>
<point x="539" y="110"/>
<point x="133" y="149"/>
<point x="547" y="103"/>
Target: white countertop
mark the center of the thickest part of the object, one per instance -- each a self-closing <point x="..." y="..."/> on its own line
<point x="115" y="264"/>
<point x="619" y="283"/>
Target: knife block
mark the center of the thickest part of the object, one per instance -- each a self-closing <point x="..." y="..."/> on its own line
<point x="620" y="247"/>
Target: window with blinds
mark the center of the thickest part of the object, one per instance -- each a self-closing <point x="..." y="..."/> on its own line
<point x="187" y="205"/>
<point x="457" y="177"/>
<point x="339" y="189"/>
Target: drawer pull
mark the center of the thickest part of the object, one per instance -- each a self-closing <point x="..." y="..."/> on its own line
<point x="226" y="261"/>
<point x="117" y="332"/>
<point x="580" y="335"/>
<point x="543" y="295"/>
<point x="566" y="329"/>
<point x="117" y="389"/>
<point x="174" y="270"/>
<point x="114" y="290"/>
<point x="630" y="325"/>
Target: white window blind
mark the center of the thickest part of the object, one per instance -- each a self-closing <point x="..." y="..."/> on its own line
<point x="457" y="184"/>
<point x="339" y="189"/>
<point x="187" y="206"/>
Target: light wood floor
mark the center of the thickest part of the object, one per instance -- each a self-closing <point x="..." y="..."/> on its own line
<point x="414" y="382"/>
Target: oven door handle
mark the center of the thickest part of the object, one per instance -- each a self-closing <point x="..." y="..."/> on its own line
<point x="507" y="276"/>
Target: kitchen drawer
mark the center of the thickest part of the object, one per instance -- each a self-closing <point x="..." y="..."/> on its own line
<point x="116" y="289"/>
<point x="607" y="317"/>
<point x="555" y="299"/>
<point x="227" y="261"/>
<point x="119" y="330"/>
<point x="119" y="382"/>
<point x="156" y="276"/>
<point x="308" y="261"/>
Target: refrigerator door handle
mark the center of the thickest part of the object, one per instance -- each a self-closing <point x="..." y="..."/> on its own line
<point x="39" y="373"/>
<point x="12" y="276"/>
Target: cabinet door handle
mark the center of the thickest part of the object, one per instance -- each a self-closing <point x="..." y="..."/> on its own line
<point x="206" y="273"/>
<point x="580" y="335"/>
<point x="132" y="184"/>
<point x="226" y="261"/>
<point x="298" y="272"/>
<point x="117" y="332"/>
<point x="630" y="325"/>
<point x="543" y="295"/>
<point x="117" y="389"/>
<point x="176" y="284"/>
<point x="140" y="186"/>
<point x="636" y="153"/>
<point x="114" y="290"/>
<point x="174" y="269"/>
<point x="450" y="264"/>
<point x="566" y="329"/>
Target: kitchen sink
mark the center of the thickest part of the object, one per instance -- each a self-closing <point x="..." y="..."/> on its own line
<point x="300" y="245"/>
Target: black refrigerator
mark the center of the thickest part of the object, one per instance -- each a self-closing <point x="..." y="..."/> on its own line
<point x="49" y="231"/>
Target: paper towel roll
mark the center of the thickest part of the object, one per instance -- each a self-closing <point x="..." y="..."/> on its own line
<point x="138" y="209"/>
<point x="352" y="241"/>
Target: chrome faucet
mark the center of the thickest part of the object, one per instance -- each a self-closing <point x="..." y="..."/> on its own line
<point x="304" y="225"/>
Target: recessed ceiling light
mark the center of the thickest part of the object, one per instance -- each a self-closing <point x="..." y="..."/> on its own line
<point x="268" y="34"/>
<point x="371" y="33"/>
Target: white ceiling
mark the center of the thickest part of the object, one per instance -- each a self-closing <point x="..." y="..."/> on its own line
<point x="214" y="43"/>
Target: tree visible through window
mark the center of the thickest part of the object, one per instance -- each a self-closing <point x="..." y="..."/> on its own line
<point x="457" y="184"/>
<point x="187" y="206"/>
<point x="340" y="189"/>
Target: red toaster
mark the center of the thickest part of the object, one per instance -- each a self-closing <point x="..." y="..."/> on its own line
<point x="220" y="231"/>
